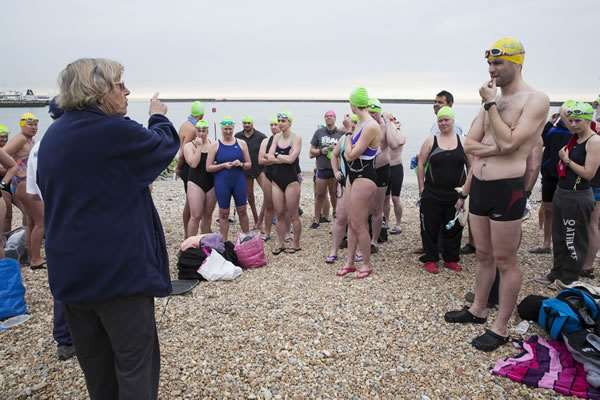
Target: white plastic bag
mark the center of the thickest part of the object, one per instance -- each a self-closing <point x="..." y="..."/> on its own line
<point x="216" y="268"/>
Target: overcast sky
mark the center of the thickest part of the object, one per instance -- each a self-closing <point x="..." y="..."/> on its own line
<point x="305" y="48"/>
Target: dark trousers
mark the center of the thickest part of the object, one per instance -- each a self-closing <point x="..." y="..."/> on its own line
<point x="60" y="329"/>
<point x="117" y="347"/>
<point x="570" y="221"/>
<point x="434" y="217"/>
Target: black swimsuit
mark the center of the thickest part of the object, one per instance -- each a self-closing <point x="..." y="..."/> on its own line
<point x="284" y="174"/>
<point x="200" y="176"/>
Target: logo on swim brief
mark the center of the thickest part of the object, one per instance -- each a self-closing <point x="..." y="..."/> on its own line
<point x="496" y="216"/>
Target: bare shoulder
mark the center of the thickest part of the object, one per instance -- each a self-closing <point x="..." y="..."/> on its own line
<point x="539" y="99"/>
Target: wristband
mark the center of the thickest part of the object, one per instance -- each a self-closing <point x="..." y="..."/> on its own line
<point x="487" y="106"/>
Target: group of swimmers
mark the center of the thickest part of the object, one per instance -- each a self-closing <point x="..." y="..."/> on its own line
<point x="496" y="166"/>
<point x="18" y="188"/>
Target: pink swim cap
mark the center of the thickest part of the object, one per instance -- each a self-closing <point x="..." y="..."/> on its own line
<point x="330" y="113"/>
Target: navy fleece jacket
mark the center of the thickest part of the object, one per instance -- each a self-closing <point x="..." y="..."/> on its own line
<point x="104" y="238"/>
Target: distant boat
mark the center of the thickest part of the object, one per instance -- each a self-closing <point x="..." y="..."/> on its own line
<point x="13" y="98"/>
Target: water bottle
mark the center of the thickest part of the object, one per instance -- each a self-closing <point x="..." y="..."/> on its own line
<point x="414" y="162"/>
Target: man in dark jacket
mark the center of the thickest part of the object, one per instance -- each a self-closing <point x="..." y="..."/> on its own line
<point x="105" y="245"/>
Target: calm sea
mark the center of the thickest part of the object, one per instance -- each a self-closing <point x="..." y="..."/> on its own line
<point x="416" y="119"/>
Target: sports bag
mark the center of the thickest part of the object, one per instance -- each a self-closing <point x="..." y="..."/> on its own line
<point x="570" y="311"/>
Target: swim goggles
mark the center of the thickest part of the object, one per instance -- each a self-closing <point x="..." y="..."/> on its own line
<point x="577" y="112"/>
<point x="282" y="116"/>
<point x="226" y="123"/>
<point x="500" y="53"/>
<point x="29" y="121"/>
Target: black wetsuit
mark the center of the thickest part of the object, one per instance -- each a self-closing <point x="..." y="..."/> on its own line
<point x="572" y="207"/>
<point x="200" y="176"/>
<point x="446" y="170"/>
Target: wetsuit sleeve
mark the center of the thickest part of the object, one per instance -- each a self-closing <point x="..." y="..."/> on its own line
<point x="147" y="152"/>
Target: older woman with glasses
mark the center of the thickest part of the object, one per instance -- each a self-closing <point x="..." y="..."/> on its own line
<point x="227" y="159"/>
<point x="105" y="244"/>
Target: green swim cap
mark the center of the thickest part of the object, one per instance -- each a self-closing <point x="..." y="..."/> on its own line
<point x="197" y="109"/>
<point x="247" y="119"/>
<point x="354" y="118"/>
<point x="581" y="110"/>
<point x="374" y="105"/>
<point x="359" y="97"/>
<point x="274" y="119"/>
<point x="568" y="104"/>
<point x="445" y="112"/>
<point x="285" y="115"/>
<point x="227" y="121"/>
<point x="202" y="124"/>
<point x="4" y="130"/>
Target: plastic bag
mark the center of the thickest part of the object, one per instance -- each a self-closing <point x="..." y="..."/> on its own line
<point x="216" y="268"/>
<point x="12" y="291"/>
<point x="250" y="251"/>
<point x="15" y="245"/>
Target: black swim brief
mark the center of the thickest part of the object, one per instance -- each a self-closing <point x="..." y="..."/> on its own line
<point x="383" y="176"/>
<point x="325" y="173"/>
<point x="499" y="200"/>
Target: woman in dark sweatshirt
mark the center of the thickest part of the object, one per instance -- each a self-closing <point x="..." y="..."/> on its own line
<point x="105" y="245"/>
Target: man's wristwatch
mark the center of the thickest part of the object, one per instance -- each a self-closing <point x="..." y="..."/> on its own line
<point x="276" y="155"/>
<point x="488" y="105"/>
<point x="3" y="185"/>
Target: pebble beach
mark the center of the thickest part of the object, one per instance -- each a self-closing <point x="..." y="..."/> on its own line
<point x="293" y="330"/>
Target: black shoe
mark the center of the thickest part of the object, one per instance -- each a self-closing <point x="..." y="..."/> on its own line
<point x="489" y="341"/>
<point x="467" y="249"/>
<point x="314" y="225"/>
<point x="65" y="352"/>
<point x="463" y="316"/>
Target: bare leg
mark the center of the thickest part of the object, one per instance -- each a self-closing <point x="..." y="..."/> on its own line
<point x="35" y="210"/>
<point x="7" y="197"/>
<point x="224" y="222"/>
<point x="280" y="211"/>
<point x="360" y="195"/>
<point x="548" y="224"/>
<point x="332" y="186"/>
<point x="196" y="200"/>
<point x="594" y="238"/>
<point x="486" y="272"/>
<point x="320" y="198"/>
<point x="506" y="238"/>
<point x="210" y="201"/>
<point x="267" y="207"/>
<point x="265" y="185"/>
<point x="397" y="209"/>
<point x="251" y="199"/>
<point x="376" y="203"/>
<point x="387" y="208"/>
<point x="244" y="221"/>
<point x="339" y="227"/>
<point x="292" y="200"/>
